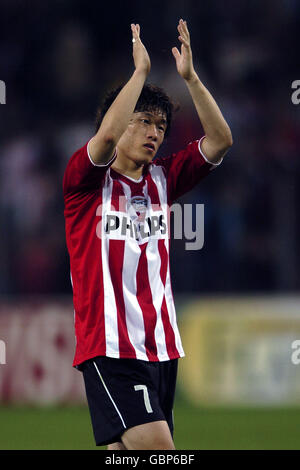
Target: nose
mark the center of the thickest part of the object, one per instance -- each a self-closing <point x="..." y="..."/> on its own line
<point x="152" y="132"/>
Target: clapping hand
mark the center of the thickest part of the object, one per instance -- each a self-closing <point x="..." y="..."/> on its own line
<point x="140" y="55"/>
<point x="184" y="59"/>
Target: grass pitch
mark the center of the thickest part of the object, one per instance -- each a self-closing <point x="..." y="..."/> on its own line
<point x="54" y="428"/>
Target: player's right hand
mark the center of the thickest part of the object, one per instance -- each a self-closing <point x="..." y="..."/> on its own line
<point x="140" y="55"/>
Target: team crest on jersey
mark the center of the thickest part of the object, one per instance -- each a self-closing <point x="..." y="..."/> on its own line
<point x="139" y="203"/>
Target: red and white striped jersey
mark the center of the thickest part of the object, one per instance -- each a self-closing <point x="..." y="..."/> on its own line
<point x="117" y="233"/>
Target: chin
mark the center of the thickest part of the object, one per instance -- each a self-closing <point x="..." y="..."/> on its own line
<point x="143" y="159"/>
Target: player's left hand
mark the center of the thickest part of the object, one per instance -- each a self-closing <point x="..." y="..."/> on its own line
<point x="184" y="60"/>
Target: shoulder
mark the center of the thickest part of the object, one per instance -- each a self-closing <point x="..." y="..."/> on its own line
<point x="82" y="173"/>
<point x="191" y="150"/>
<point x="80" y="153"/>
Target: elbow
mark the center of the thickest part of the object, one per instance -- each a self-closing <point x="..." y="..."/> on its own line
<point x="222" y="144"/>
<point x="106" y="135"/>
<point x="108" y="139"/>
<point x="230" y="140"/>
<point x="221" y="139"/>
<point x="226" y="141"/>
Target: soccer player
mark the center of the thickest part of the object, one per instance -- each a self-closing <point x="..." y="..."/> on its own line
<point x="116" y="214"/>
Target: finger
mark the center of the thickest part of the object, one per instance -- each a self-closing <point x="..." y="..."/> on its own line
<point x="133" y="30"/>
<point x="138" y="29"/>
<point x="184" y="41"/>
<point x="182" y="29"/>
<point x="135" y="36"/>
<point x="183" y="26"/>
<point x="186" y="29"/>
<point x="182" y="35"/>
<point x="175" y="53"/>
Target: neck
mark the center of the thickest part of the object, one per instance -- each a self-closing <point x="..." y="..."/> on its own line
<point x="128" y="167"/>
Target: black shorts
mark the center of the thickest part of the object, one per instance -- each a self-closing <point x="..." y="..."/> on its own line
<point x="123" y="393"/>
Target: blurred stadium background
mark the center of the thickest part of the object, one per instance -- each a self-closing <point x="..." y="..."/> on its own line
<point x="237" y="298"/>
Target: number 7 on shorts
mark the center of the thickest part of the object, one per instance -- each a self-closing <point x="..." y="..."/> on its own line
<point x="146" y="397"/>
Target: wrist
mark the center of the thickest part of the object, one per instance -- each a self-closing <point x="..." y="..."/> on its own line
<point x="141" y="72"/>
<point x="192" y="78"/>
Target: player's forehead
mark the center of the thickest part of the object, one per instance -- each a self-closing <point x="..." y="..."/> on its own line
<point x="154" y="114"/>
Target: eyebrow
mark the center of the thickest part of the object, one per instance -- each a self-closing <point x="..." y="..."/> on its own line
<point x="162" y="120"/>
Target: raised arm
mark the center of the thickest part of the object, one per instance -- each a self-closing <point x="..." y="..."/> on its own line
<point x="116" y="120"/>
<point x="218" y="135"/>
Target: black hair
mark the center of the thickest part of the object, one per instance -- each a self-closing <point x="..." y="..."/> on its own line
<point x="152" y="99"/>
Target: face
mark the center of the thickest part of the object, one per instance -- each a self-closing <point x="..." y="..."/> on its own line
<point x="143" y="136"/>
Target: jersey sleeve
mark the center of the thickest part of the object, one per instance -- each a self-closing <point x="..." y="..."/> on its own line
<point x="82" y="174"/>
<point x="185" y="169"/>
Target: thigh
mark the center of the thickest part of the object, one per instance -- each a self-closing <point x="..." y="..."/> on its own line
<point x="116" y="446"/>
<point x="150" y="436"/>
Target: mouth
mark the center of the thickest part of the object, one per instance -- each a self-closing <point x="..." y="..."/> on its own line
<point x="149" y="146"/>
